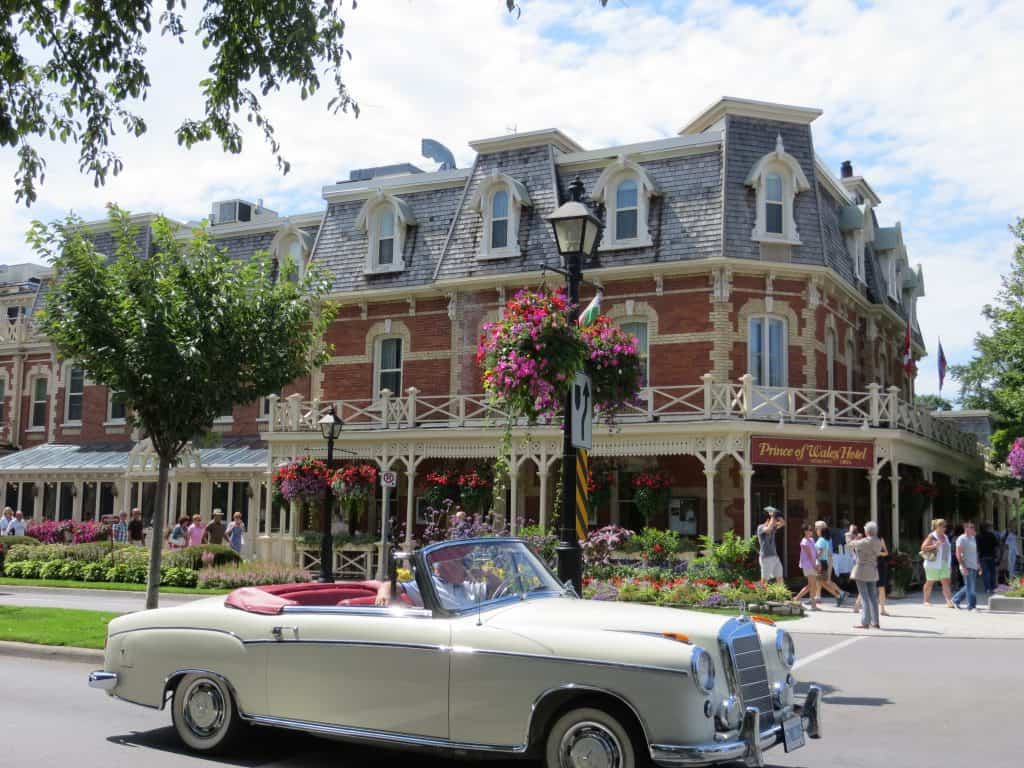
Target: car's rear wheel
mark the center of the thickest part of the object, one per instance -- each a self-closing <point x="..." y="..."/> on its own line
<point x="204" y="713"/>
<point x="589" y="738"/>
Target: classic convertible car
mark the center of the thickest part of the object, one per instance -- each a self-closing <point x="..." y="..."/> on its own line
<point x="481" y="651"/>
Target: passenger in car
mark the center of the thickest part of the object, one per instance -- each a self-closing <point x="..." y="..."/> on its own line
<point x="456" y="586"/>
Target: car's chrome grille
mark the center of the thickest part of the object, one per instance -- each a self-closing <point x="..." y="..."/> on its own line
<point x="748" y="676"/>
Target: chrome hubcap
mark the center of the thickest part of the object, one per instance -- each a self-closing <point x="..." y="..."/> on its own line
<point x="204" y="708"/>
<point x="590" y="745"/>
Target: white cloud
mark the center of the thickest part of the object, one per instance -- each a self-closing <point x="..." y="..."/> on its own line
<point x="918" y="93"/>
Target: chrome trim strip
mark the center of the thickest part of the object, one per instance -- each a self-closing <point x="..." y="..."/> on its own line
<point x="570" y="660"/>
<point x="362" y="643"/>
<point x="101" y="680"/>
<point x="360" y="610"/>
<point x="362" y="734"/>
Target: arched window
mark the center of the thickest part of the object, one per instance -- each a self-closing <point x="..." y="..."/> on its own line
<point x="767" y="346"/>
<point x="773" y="204"/>
<point x="384" y="218"/>
<point x="388" y="366"/>
<point x="627" y="209"/>
<point x="499" y="219"/>
<point x="777" y="179"/>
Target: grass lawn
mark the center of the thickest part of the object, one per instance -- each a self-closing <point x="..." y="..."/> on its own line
<point x="54" y="626"/>
<point x="108" y="585"/>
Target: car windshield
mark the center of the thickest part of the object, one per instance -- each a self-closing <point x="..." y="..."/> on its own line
<point x="469" y="573"/>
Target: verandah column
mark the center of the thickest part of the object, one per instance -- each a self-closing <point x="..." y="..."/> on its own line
<point x="894" y="496"/>
<point x="873" y="475"/>
<point x="513" y="510"/>
<point x="748" y="475"/>
<point x="542" y="471"/>
<point x="709" y="475"/>
<point x="410" y="501"/>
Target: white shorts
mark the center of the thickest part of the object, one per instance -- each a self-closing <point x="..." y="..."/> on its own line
<point x="771" y="567"/>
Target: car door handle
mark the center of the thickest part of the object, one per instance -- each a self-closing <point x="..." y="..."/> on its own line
<point x="278" y="632"/>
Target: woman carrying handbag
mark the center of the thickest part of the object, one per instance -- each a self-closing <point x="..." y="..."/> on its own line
<point x="936" y="553"/>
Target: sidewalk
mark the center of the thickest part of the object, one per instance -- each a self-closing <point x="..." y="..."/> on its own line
<point x="86" y="599"/>
<point x="910" y="618"/>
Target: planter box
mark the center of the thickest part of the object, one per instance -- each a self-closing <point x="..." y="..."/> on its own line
<point x="1004" y="603"/>
<point x="779" y="609"/>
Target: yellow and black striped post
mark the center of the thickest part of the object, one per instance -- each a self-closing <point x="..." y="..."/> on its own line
<point x="582" y="493"/>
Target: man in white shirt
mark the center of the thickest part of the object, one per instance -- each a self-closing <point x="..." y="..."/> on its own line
<point x="967" y="557"/>
<point x="17" y="526"/>
<point x="1011" y="553"/>
<point x="455" y="586"/>
<point x="6" y="520"/>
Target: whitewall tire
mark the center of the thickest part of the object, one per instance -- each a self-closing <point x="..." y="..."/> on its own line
<point x="589" y="738"/>
<point x="204" y="713"/>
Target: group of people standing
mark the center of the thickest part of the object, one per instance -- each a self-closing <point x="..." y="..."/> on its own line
<point x="966" y="556"/>
<point x="12" y="523"/>
<point x="190" y="532"/>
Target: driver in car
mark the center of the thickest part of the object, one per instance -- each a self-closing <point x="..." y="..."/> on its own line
<point x="455" y="585"/>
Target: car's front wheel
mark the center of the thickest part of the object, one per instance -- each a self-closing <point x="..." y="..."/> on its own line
<point x="589" y="738"/>
<point x="204" y="713"/>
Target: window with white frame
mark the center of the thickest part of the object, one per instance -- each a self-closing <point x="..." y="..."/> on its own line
<point x="73" y="393"/>
<point x="626" y="190"/>
<point x="386" y="220"/>
<point x="639" y="330"/>
<point x="777" y="179"/>
<point x="892" y="275"/>
<point x="292" y="251"/>
<point x="851" y="355"/>
<point x="767" y="346"/>
<point x="855" y="243"/>
<point x="39" y="387"/>
<point x="117" y="409"/>
<point x="499" y="199"/>
<point x="265" y="404"/>
<point x="830" y="357"/>
<point x="388" y="366"/>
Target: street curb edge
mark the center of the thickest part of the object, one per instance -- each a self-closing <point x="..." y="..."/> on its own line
<point x="54" y="652"/>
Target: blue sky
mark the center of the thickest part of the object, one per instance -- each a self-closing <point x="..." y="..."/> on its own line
<point x="921" y="95"/>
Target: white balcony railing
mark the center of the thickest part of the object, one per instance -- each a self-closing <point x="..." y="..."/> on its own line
<point x="708" y="401"/>
<point x="18" y="330"/>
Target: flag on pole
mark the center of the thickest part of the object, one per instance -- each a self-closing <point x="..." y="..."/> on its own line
<point x="908" y="355"/>
<point x="942" y="365"/>
<point x="593" y="309"/>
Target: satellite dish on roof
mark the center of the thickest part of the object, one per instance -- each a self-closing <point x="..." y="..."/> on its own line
<point x="439" y="153"/>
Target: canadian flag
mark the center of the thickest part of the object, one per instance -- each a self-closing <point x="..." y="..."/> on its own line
<point x="908" y="356"/>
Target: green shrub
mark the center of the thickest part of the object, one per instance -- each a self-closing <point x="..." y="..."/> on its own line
<point x="178" y="577"/>
<point x="638" y="592"/>
<point x="192" y="557"/>
<point x="657" y="546"/>
<point x="249" y="575"/>
<point x="50" y="569"/>
<point x="72" y="570"/>
<point x="735" y="558"/>
<point x="94" y="571"/>
<point x="706" y="568"/>
<point x="30" y="569"/>
<point x="13" y="569"/>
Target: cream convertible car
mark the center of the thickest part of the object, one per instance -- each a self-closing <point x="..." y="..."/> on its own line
<point x="482" y="652"/>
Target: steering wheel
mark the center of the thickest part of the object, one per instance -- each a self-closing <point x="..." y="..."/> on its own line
<point x="503" y="588"/>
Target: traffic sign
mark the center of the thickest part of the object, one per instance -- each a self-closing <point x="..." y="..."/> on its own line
<point x="389" y="479"/>
<point x="582" y="411"/>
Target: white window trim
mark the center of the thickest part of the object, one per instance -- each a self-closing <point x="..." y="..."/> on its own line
<point x="647" y="359"/>
<point x="784" y="354"/>
<point x="111" y="421"/>
<point x="604" y="191"/>
<point x="378" y="344"/>
<point x="794" y="181"/>
<point x="32" y="426"/>
<point x="482" y="202"/>
<point x="288" y="234"/>
<point x="67" y="397"/>
<point x="366" y="222"/>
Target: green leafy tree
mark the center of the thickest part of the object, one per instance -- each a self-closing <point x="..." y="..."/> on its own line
<point x="933" y="402"/>
<point x="994" y="378"/>
<point x="183" y="332"/>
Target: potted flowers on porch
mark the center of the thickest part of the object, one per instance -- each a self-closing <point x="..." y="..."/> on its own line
<point x="650" y="492"/>
<point x="352" y="486"/>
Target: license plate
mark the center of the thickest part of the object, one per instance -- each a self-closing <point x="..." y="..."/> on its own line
<point x="793" y="733"/>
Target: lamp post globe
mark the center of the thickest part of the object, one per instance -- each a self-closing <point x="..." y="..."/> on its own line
<point x="577" y="234"/>
<point x="330" y="428"/>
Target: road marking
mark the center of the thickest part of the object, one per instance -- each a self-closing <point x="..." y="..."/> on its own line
<point x="825" y="652"/>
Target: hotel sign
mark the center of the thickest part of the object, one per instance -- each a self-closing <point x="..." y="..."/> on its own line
<point x="797" y="452"/>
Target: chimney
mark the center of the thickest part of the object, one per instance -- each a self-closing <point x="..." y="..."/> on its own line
<point x="846" y="169"/>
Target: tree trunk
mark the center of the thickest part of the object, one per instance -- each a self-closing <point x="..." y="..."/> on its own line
<point x="157" y="536"/>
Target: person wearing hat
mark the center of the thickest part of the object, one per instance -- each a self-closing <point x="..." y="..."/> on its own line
<point x="214" y="533"/>
<point x="768" y="556"/>
<point x="455" y="586"/>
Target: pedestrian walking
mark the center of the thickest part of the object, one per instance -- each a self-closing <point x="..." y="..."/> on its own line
<point x="235" y="532"/>
<point x="936" y="552"/>
<point x="809" y="564"/>
<point x="195" y="531"/>
<point x="988" y="550"/>
<point x="768" y="556"/>
<point x="866" y="550"/>
<point x="5" y="521"/>
<point x="883" y="578"/>
<point x="120" y="529"/>
<point x="967" y="556"/>
<point x="177" y="537"/>
<point x="214" y="533"/>
<point x="1011" y="553"/>
<point x="825" y="557"/>
<point x="136" y="530"/>
<point x="956" y="579"/>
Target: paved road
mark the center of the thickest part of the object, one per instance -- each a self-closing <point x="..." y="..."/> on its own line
<point x="85" y="599"/>
<point x="891" y="702"/>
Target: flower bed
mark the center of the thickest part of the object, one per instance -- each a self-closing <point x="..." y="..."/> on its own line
<point x="249" y="575"/>
<point x="67" y="531"/>
<point x="660" y="588"/>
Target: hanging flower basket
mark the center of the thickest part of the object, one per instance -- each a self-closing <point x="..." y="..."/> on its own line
<point x="441" y="486"/>
<point x="1015" y="459"/>
<point x="475" y="491"/>
<point x="650" y="491"/>
<point x="354" y="483"/>
<point x="531" y="355"/>
<point x="599" y="485"/>
<point x="304" y="480"/>
<point x="614" y="365"/>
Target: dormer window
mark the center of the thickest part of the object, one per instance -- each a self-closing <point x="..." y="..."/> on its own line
<point x="291" y="247"/>
<point x="499" y="199"/>
<point x="626" y="190"/>
<point x="386" y="220"/>
<point x="777" y="179"/>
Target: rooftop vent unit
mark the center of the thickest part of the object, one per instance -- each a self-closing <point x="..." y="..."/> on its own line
<point x="381" y="171"/>
<point x="232" y="212"/>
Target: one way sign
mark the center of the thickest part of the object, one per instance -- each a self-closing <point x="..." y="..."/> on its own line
<point x="582" y="411"/>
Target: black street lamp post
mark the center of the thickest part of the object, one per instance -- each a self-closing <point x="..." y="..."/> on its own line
<point x="577" y="233"/>
<point x="330" y="428"/>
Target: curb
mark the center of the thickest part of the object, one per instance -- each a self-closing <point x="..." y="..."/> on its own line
<point x="51" y="652"/>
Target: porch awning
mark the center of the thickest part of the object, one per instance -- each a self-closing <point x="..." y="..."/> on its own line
<point x="42" y="458"/>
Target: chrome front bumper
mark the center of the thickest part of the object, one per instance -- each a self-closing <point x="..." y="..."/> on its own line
<point x="104" y="681"/>
<point x="752" y="742"/>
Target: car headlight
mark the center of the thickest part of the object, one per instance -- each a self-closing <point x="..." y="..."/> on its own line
<point x="787" y="650"/>
<point x="703" y="668"/>
<point x="729" y="714"/>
